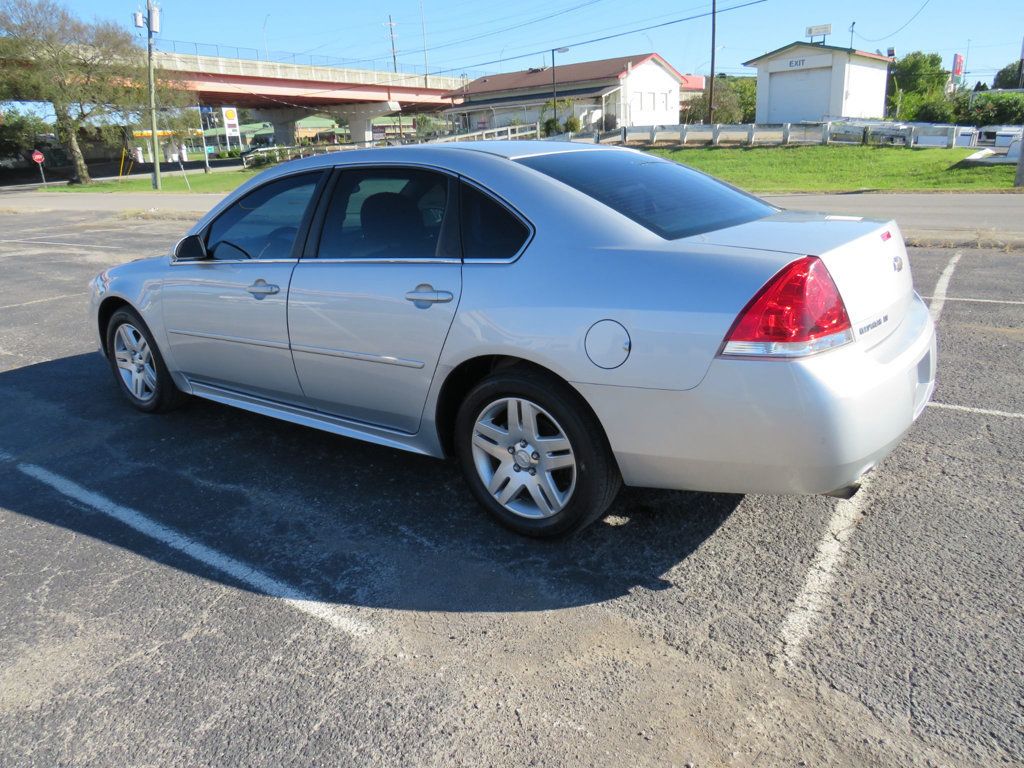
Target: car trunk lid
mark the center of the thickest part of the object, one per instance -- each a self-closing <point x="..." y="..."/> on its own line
<point x="866" y="258"/>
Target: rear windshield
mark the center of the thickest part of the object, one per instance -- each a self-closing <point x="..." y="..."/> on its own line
<point x="669" y="199"/>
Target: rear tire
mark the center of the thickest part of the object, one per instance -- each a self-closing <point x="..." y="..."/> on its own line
<point x="534" y="455"/>
<point x="137" y="365"/>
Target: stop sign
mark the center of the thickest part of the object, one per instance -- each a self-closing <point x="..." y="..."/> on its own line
<point x="37" y="156"/>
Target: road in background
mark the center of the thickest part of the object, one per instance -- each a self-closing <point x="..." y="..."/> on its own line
<point x="653" y="638"/>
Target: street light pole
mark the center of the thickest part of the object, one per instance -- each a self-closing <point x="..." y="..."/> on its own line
<point x="152" y="24"/>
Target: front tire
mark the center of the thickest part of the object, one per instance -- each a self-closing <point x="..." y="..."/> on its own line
<point x="534" y="456"/>
<point x="137" y="365"/>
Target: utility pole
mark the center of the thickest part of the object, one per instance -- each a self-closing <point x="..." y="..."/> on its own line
<point x="554" y="88"/>
<point x="711" y="87"/>
<point x="394" y="66"/>
<point x="852" y="25"/>
<point x="423" y="27"/>
<point x="394" y="52"/>
<point x="151" y="22"/>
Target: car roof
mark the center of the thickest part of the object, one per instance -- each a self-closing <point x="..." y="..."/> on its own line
<point x="521" y="148"/>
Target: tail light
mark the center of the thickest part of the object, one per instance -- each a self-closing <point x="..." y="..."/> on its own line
<point x="798" y="312"/>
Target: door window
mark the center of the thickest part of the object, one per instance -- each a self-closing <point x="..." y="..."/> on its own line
<point x="489" y="229"/>
<point x="264" y="223"/>
<point x="389" y="213"/>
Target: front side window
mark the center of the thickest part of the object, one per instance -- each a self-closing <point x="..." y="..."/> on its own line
<point x="264" y="223"/>
<point x="387" y="213"/>
<point x="489" y="229"/>
<point x="667" y="198"/>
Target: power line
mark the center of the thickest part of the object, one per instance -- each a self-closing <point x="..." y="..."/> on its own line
<point x="599" y="30"/>
<point x="886" y="37"/>
<point x="605" y="37"/>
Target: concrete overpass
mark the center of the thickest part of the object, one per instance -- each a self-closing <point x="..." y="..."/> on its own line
<point x="282" y="93"/>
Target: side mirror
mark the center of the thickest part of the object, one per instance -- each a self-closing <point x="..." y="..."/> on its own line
<point x="190" y="248"/>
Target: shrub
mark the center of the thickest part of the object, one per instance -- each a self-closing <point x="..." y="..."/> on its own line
<point x="991" y="109"/>
<point x="934" y="110"/>
<point x="552" y="127"/>
<point x="572" y="124"/>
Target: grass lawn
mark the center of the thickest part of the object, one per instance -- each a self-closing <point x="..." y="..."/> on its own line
<point x="843" y="168"/>
<point x="758" y="169"/>
<point x="219" y="181"/>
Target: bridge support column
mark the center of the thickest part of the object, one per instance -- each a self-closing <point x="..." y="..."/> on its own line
<point x="360" y="117"/>
<point x="283" y="119"/>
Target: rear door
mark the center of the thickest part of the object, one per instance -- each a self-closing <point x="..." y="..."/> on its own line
<point x="371" y="304"/>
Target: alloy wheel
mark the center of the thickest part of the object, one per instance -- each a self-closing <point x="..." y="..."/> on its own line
<point x="135" y="362"/>
<point x="524" y="458"/>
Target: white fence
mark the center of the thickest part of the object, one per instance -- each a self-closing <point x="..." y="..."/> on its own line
<point x="752" y="134"/>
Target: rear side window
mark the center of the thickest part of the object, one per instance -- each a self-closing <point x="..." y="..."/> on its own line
<point x="489" y="229"/>
<point x="389" y="213"/>
<point x="667" y="198"/>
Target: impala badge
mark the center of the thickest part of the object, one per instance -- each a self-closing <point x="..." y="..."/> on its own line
<point x="897" y="263"/>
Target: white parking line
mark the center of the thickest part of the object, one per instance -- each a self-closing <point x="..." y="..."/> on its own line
<point x="66" y="245"/>
<point x="236" y="569"/>
<point x="817" y="590"/>
<point x="816" y="593"/>
<point x="980" y="301"/>
<point x="939" y="295"/>
<point x="40" y="301"/>
<point x="981" y="411"/>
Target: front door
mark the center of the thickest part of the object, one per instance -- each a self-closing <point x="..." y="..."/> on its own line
<point x="369" y="314"/>
<point x="226" y="316"/>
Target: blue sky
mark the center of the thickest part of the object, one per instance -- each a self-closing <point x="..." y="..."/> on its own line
<point x="462" y="34"/>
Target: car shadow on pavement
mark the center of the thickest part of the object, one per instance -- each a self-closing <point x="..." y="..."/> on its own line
<point x="343" y="521"/>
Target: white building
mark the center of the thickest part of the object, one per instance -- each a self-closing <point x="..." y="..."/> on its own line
<point x="816" y="82"/>
<point x="605" y="94"/>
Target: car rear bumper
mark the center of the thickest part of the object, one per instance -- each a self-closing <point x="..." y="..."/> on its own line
<point x="806" y="426"/>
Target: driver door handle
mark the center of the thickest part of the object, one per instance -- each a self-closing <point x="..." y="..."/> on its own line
<point x="262" y="288"/>
<point x="429" y="296"/>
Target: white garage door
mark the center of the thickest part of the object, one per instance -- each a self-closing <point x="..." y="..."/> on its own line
<point x="799" y="95"/>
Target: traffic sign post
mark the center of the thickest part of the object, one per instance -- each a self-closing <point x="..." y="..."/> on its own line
<point x="37" y="158"/>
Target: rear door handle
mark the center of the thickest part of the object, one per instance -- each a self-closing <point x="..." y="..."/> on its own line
<point x="262" y="288"/>
<point x="425" y="294"/>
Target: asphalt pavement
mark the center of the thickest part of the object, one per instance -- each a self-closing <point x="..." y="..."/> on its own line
<point x="210" y="587"/>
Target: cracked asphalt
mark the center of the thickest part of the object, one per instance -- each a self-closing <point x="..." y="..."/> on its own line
<point x="652" y="639"/>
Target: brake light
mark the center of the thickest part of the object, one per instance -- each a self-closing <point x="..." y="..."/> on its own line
<point x="798" y="312"/>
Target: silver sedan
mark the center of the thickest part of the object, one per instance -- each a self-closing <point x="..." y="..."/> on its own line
<point x="561" y="318"/>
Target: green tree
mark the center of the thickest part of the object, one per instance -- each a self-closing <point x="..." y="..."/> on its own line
<point x="87" y="72"/>
<point x="745" y="89"/>
<point x="728" y="106"/>
<point x="18" y="132"/>
<point x="1008" y="76"/>
<point x="917" y="75"/>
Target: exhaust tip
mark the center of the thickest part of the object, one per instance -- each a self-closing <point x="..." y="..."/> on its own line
<point x="846" y="492"/>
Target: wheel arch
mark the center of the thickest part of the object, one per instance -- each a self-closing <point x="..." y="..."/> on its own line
<point x="467" y="374"/>
<point x="107" y="308"/>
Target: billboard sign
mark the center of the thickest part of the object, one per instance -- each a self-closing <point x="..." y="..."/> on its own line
<point x="231" y="128"/>
<point x="958" y="68"/>
<point x="820" y="29"/>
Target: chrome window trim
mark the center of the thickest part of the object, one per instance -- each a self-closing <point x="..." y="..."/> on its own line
<point x="211" y="262"/>
<point x="359" y="260"/>
<point x="512" y="210"/>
